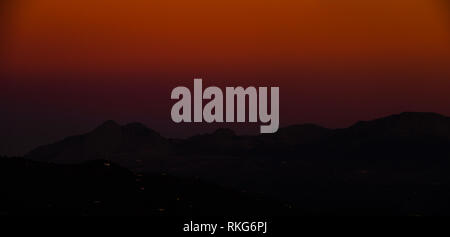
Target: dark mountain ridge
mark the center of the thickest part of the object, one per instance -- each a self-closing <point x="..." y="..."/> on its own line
<point x="394" y="165"/>
<point x="111" y="141"/>
<point x="108" y="141"/>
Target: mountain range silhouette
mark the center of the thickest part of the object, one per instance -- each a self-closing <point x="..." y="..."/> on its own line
<point x="112" y="141"/>
<point x="397" y="165"/>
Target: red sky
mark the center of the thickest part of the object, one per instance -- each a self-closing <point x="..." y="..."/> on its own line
<point x="68" y="65"/>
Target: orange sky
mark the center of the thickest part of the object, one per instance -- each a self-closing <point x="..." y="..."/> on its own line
<point x="74" y="35"/>
<point x="336" y="61"/>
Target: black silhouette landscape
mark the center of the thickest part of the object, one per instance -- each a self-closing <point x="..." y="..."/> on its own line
<point x="398" y="165"/>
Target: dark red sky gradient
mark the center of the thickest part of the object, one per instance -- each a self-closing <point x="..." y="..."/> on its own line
<point x="66" y="66"/>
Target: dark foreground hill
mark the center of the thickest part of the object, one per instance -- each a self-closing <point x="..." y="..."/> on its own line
<point x="102" y="188"/>
<point x="394" y="165"/>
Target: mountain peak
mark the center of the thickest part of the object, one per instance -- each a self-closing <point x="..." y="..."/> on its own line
<point x="418" y="115"/>
<point x="408" y="124"/>
<point x="140" y="129"/>
<point x="407" y="117"/>
<point x="107" y="125"/>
